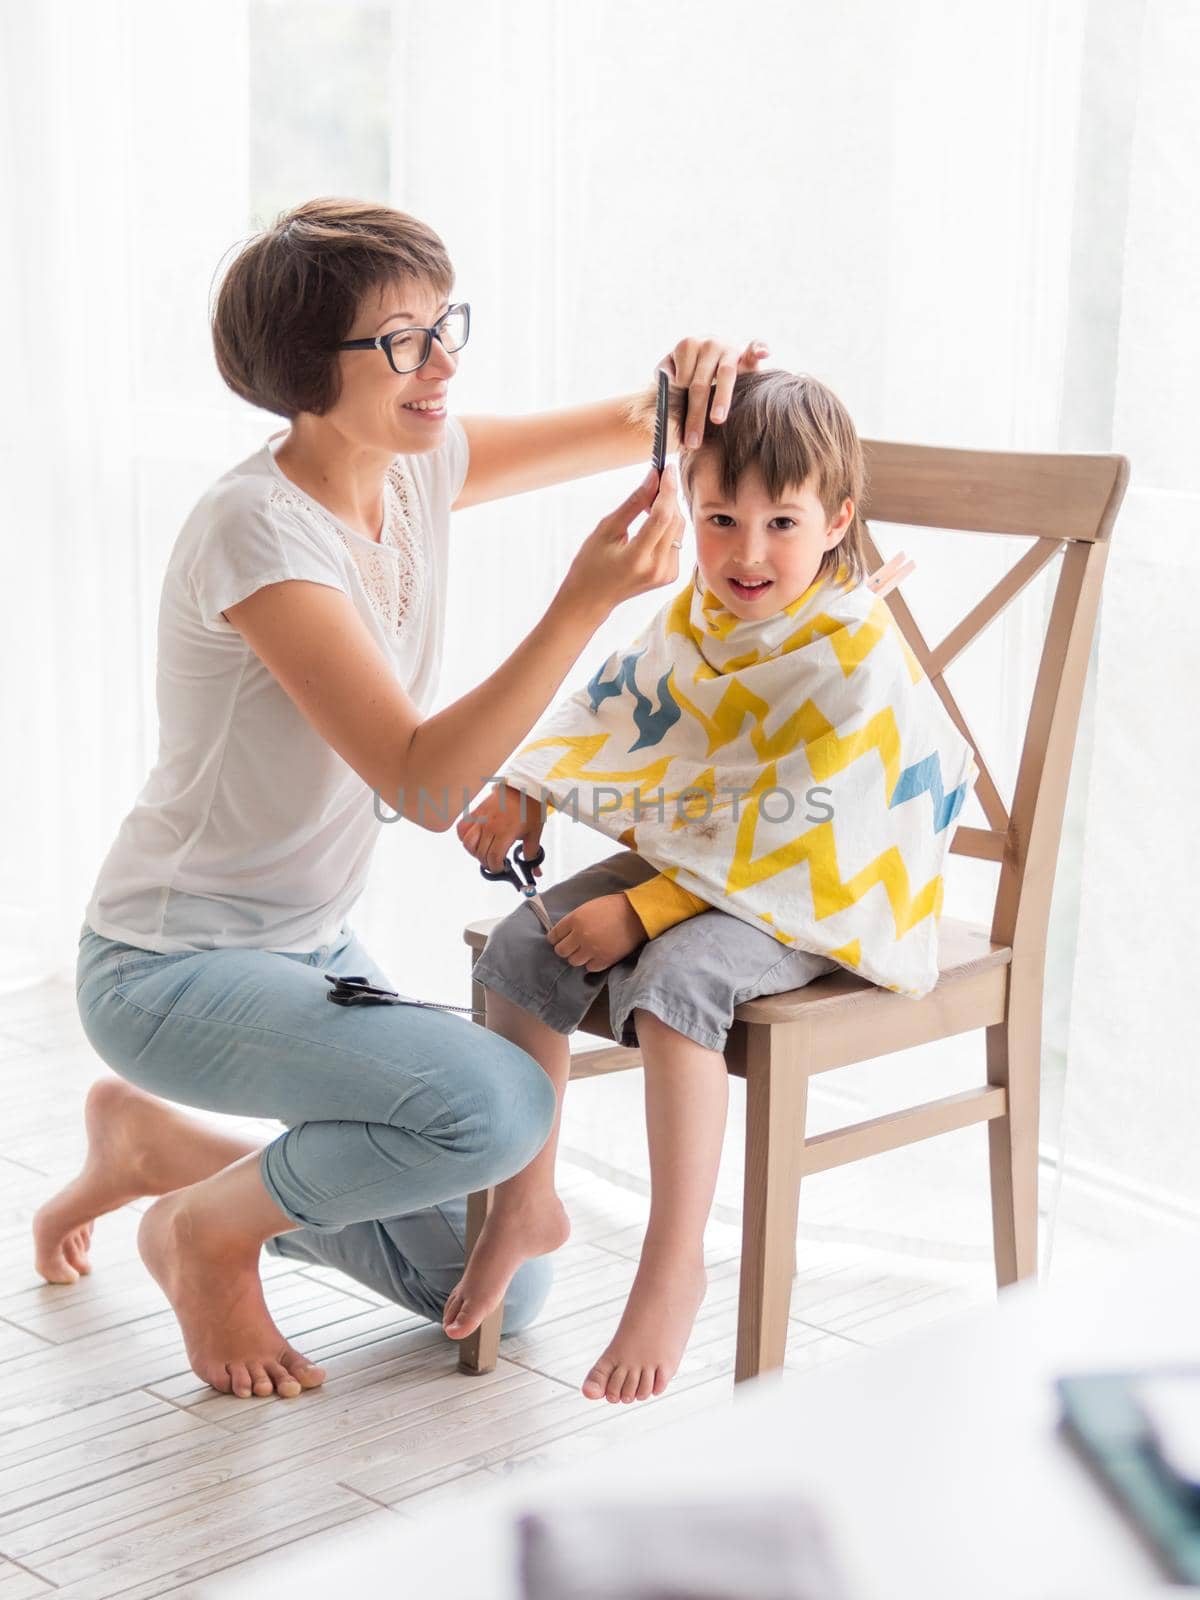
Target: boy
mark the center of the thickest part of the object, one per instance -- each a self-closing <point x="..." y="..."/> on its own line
<point x="716" y="707"/>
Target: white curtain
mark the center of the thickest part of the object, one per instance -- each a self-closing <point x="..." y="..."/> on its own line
<point x="1133" y="1100"/>
<point x="123" y="178"/>
<point x="976" y="223"/>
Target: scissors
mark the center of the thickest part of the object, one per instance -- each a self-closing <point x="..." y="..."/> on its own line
<point x="527" y="889"/>
<point x="352" y="990"/>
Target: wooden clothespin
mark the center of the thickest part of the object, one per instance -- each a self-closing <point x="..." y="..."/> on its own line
<point x="890" y="574"/>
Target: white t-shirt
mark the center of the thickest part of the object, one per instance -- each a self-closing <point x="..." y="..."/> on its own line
<point x="250" y="830"/>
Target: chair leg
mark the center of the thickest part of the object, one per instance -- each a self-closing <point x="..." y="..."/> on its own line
<point x="478" y="1352"/>
<point x="1014" y="1059"/>
<point x="776" y="1102"/>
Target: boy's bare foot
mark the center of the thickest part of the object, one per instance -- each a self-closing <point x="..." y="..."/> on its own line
<point x="128" y="1155"/>
<point x="652" y="1333"/>
<point x="216" y="1293"/>
<point x="510" y="1235"/>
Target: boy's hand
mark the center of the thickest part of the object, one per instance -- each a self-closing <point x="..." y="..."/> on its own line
<point x="489" y="828"/>
<point x="696" y="365"/>
<point x="598" y="934"/>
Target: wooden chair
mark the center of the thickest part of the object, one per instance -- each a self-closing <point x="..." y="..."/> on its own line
<point x="990" y="978"/>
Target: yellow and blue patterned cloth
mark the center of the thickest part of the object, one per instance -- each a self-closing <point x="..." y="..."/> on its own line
<point x="798" y="772"/>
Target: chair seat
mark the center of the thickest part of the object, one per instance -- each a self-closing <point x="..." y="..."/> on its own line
<point x="963" y="950"/>
<point x="855" y="1020"/>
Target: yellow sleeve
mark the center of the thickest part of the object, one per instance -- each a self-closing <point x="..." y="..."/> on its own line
<point x="660" y="903"/>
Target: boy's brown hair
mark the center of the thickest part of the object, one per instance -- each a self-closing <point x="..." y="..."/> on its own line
<point x="293" y="291"/>
<point x="790" y="426"/>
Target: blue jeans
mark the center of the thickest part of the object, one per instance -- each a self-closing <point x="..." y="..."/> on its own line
<point x="393" y="1113"/>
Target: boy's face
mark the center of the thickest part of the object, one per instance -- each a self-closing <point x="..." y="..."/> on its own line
<point x="755" y="554"/>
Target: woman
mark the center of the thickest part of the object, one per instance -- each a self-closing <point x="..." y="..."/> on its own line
<point x="299" y="638"/>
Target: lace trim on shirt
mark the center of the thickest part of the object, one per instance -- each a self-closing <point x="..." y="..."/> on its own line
<point x="394" y="572"/>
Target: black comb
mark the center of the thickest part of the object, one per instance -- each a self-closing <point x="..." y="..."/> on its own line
<point x="659" y="456"/>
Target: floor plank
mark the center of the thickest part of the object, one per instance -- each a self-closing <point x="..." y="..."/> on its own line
<point x="121" y="1474"/>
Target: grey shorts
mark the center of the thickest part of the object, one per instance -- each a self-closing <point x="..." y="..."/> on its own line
<point x="692" y="976"/>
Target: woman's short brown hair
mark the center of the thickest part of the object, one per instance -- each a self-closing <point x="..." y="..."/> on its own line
<point x="793" y="428"/>
<point x="293" y="291"/>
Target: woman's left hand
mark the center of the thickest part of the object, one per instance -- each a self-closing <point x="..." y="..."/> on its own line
<point x="696" y="365"/>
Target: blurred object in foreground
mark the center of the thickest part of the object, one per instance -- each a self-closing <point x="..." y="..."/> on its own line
<point x="773" y="1549"/>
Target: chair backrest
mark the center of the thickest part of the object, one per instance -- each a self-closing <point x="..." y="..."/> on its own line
<point x="1067" y="505"/>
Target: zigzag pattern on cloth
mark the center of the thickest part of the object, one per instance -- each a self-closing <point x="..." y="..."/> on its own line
<point x="651" y="724"/>
<point x="827" y="752"/>
<point x="823" y="702"/>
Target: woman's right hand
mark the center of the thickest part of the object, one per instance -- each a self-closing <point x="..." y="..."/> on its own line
<point x="491" y="827"/>
<point x="612" y="565"/>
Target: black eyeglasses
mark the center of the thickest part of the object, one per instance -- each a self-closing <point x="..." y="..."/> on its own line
<point x="408" y="348"/>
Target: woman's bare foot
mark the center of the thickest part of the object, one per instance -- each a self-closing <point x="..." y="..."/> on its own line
<point x="137" y="1145"/>
<point x="652" y="1333"/>
<point x="216" y="1294"/>
<point x="510" y="1235"/>
<point x="111" y="1177"/>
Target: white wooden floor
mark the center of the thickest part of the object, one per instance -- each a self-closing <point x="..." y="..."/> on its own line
<point x="120" y="1474"/>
